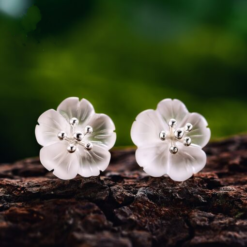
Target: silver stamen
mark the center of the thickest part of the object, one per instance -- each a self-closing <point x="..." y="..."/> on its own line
<point x="73" y="121"/>
<point x="89" y="146"/>
<point x="173" y="149"/>
<point x="187" y="141"/>
<point x="188" y="127"/>
<point x="172" y="122"/>
<point x="61" y="135"/>
<point x="71" y="148"/>
<point x="179" y="133"/>
<point x="162" y="135"/>
<point x="88" y="130"/>
<point x="78" y="136"/>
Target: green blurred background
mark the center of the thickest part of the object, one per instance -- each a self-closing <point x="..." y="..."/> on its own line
<point x="124" y="56"/>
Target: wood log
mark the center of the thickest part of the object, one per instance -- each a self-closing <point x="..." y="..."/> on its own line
<point x="125" y="207"/>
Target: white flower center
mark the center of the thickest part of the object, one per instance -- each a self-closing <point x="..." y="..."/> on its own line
<point x="75" y="137"/>
<point x="175" y="135"/>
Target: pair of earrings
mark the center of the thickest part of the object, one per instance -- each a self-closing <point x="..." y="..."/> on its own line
<point x="76" y="140"/>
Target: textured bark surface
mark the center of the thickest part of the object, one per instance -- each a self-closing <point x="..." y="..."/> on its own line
<point x="125" y="207"/>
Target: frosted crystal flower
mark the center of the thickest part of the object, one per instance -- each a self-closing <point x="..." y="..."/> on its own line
<point x="75" y="139"/>
<point x="170" y="140"/>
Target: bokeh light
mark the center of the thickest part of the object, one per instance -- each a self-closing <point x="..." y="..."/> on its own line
<point x="14" y="8"/>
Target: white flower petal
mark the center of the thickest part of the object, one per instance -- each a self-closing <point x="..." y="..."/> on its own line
<point x="169" y="109"/>
<point x="50" y="124"/>
<point x="56" y="156"/>
<point x="199" y="134"/>
<point x="72" y="107"/>
<point x="146" y="128"/>
<point x="153" y="158"/>
<point x="93" y="161"/>
<point x="103" y="128"/>
<point x="186" y="162"/>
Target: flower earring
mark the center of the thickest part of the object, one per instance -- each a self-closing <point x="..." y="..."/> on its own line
<point x="75" y="139"/>
<point x="170" y="140"/>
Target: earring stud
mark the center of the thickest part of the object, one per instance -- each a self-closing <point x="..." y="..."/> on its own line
<point x="170" y="140"/>
<point x="75" y="139"/>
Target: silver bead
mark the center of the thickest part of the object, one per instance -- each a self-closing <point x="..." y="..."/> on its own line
<point x="89" y="146"/>
<point x="187" y="141"/>
<point x="73" y="121"/>
<point x="173" y="149"/>
<point x="88" y="130"/>
<point x="78" y="136"/>
<point x="172" y="122"/>
<point x="61" y="135"/>
<point x="162" y="135"/>
<point x="188" y="127"/>
<point x="71" y="148"/>
<point x="179" y="133"/>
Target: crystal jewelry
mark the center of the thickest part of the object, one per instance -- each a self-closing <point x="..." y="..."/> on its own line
<point x="75" y="139"/>
<point x="170" y="140"/>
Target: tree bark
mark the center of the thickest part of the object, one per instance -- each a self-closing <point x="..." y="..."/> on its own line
<point x="125" y="207"/>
